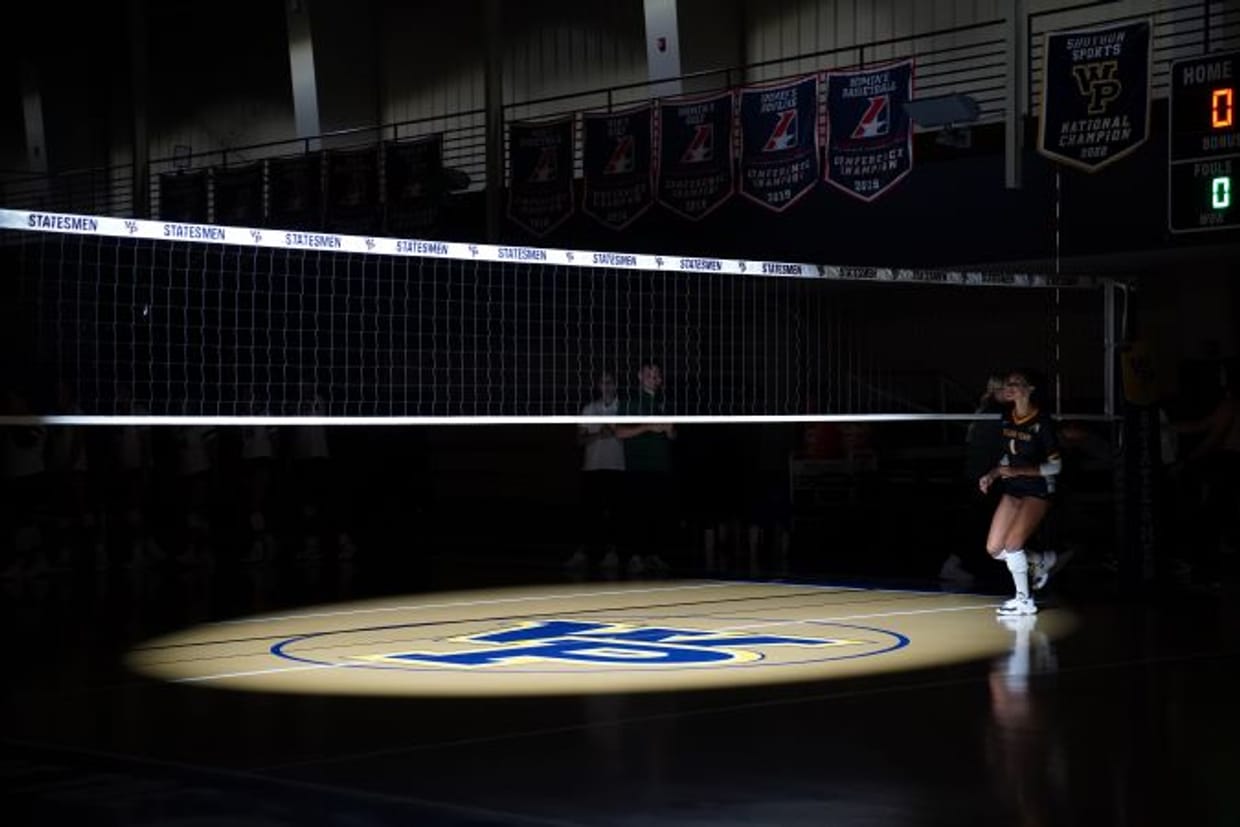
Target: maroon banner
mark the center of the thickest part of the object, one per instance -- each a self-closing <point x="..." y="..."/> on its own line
<point x="779" y="141"/>
<point x="540" y="190"/>
<point x="618" y="164"/>
<point x="695" y="154"/>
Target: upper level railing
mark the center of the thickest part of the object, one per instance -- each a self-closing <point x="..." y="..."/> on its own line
<point x="970" y="60"/>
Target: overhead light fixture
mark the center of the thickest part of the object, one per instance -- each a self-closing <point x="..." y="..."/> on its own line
<point x="948" y="113"/>
<point x="946" y="110"/>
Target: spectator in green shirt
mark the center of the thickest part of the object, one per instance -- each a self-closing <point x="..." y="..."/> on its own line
<point x="648" y="467"/>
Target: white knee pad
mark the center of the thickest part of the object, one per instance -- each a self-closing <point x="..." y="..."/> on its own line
<point x="1017" y="561"/>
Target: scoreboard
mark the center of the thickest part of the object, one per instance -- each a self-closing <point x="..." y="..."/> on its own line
<point x="1204" y="169"/>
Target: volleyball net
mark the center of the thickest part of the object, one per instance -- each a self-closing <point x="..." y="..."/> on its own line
<point x="107" y="320"/>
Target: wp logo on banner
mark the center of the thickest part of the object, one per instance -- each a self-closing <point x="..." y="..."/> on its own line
<point x="695" y="154"/>
<point x="779" y="142"/>
<point x="619" y="174"/>
<point x="869" y="133"/>
<point x="540" y="157"/>
<point x="1095" y="94"/>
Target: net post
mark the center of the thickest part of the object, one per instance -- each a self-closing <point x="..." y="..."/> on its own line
<point x="141" y="183"/>
<point x="1108" y="347"/>
<point x="494" y="101"/>
<point x="1015" y="32"/>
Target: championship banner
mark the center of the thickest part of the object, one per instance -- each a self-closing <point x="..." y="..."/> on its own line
<point x="296" y="191"/>
<point x="1095" y="94"/>
<point x="415" y="184"/>
<point x="869" y="133"/>
<point x="239" y="195"/>
<point x="618" y="163"/>
<point x="779" y="142"/>
<point x="695" y="154"/>
<point x="540" y="191"/>
<point x="183" y="196"/>
<point x="353" y="190"/>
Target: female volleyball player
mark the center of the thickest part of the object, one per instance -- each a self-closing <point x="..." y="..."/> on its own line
<point x="1025" y="481"/>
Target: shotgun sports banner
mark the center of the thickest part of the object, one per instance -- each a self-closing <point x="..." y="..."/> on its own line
<point x="1095" y="94"/>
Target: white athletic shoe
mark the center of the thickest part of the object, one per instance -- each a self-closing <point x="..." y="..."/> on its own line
<point x="1018" y="606"/>
<point x="636" y="567"/>
<point x="1041" y="571"/>
<point x="578" y="562"/>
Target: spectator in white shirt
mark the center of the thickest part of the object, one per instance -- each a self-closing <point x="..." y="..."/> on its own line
<point x="602" y="473"/>
<point x="258" y="450"/>
<point x="195" y="451"/>
<point x="311" y="454"/>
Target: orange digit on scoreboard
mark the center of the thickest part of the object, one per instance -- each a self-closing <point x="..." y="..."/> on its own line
<point x="1222" y="108"/>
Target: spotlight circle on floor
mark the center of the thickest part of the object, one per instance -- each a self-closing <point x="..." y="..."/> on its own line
<point x="591" y="638"/>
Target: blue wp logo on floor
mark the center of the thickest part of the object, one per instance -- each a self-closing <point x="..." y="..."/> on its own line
<point x="579" y="643"/>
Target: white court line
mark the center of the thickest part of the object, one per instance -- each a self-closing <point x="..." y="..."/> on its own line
<point x="748" y="626"/>
<point x="865" y="617"/>
<point x="255" y="672"/>
<point x="937" y="593"/>
<point x="492" y="602"/>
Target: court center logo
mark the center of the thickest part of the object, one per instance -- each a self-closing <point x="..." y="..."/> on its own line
<point x="600" y="644"/>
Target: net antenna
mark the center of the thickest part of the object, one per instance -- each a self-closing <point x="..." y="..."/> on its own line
<point x="162" y="323"/>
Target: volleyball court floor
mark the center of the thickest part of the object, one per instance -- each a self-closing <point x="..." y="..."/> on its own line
<point x="334" y="696"/>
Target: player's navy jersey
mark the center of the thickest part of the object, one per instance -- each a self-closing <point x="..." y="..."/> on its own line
<point x="1028" y="443"/>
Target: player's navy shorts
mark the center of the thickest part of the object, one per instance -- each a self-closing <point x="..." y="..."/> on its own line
<point x="1026" y="487"/>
